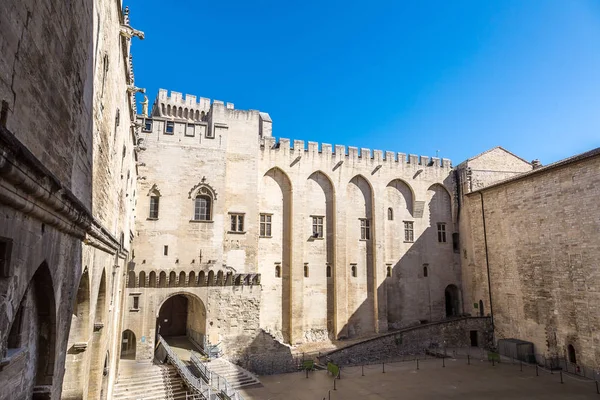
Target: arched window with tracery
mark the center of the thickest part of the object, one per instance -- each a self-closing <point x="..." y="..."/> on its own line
<point x="203" y="196"/>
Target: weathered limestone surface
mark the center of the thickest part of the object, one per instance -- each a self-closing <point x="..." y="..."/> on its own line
<point x="415" y="340"/>
<point x="541" y="243"/>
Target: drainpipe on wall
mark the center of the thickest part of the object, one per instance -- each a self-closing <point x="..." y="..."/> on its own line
<point x="487" y="262"/>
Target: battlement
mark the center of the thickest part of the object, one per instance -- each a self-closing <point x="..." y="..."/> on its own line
<point x="352" y="153"/>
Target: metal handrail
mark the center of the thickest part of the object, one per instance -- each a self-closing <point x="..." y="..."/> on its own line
<point x="197" y="385"/>
<point x="215" y="380"/>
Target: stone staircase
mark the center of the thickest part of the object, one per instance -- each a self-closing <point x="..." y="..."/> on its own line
<point x="147" y="381"/>
<point x="236" y="376"/>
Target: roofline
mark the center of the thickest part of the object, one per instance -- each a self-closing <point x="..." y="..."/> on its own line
<point x="494" y="148"/>
<point x="559" y="164"/>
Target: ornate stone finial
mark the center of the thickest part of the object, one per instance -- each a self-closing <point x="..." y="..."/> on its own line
<point x="145" y="106"/>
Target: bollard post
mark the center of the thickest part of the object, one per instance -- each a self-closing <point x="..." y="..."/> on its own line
<point x="561" y="379"/>
<point x="418" y="365"/>
<point x="468" y="359"/>
<point x="521" y="364"/>
<point x="334" y="384"/>
<point x="330" y="395"/>
<point x="597" y="388"/>
<point x="444" y="362"/>
<point x="383" y="367"/>
<point x="537" y="373"/>
<point x="306" y="373"/>
<point x="363" y="370"/>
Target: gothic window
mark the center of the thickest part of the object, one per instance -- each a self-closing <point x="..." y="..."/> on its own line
<point x="389" y="272"/>
<point x="169" y="128"/>
<point x="390" y="214"/>
<point x="277" y="271"/>
<point x="365" y="229"/>
<point x="265" y="225"/>
<point x="202" y="208"/>
<point x="237" y="223"/>
<point x="425" y="271"/>
<point x="441" y="230"/>
<point x="353" y="269"/>
<point x="153" y="207"/>
<point x="317" y="225"/>
<point x="409" y="231"/>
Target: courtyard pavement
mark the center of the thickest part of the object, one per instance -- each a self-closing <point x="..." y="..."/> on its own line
<point x="457" y="380"/>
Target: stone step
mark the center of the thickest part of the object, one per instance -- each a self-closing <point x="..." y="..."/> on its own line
<point x="145" y="377"/>
<point x="175" y="395"/>
<point x="148" y="386"/>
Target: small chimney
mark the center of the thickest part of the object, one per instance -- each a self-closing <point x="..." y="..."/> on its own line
<point x="536" y="164"/>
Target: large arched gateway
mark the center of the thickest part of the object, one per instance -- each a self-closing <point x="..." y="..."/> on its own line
<point x="182" y="314"/>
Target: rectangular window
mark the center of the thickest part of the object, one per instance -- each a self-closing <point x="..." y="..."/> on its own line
<point x="441" y="228"/>
<point x="190" y="130"/>
<point x="365" y="229"/>
<point x="169" y="127"/>
<point x="237" y="223"/>
<point x="455" y="243"/>
<point x="136" y="302"/>
<point x="166" y="250"/>
<point x="409" y="231"/>
<point x="153" y="207"/>
<point x="265" y="225"/>
<point x="317" y="225"/>
<point x="147" y="125"/>
<point x="210" y="133"/>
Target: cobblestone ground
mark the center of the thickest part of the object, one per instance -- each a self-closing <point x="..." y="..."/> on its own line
<point x="457" y="380"/>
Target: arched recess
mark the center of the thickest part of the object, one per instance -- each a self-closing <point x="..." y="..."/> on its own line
<point x="276" y="200"/>
<point x="182" y="314"/>
<point x="192" y="279"/>
<point x="572" y="355"/>
<point x="359" y="251"/>
<point x="152" y="279"/>
<point x="211" y="278"/>
<point x="128" y="345"/>
<point x="220" y="278"/>
<point x="181" y="279"/>
<point x="439" y="204"/>
<point x="96" y="377"/>
<point x="131" y="279"/>
<point x="481" y="310"/>
<point x="172" y="279"/>
<point x="452" y="301"/>
<point x="319" y="228"/>
<point x="399" y="197"/>
<point x="201" y="279"/>
<point x="162" y="279"/>
<point x="75" y="375"/>
<point x="142" y="279"/>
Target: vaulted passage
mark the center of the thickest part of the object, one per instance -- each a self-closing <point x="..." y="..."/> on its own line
<point x="182" y="315"/>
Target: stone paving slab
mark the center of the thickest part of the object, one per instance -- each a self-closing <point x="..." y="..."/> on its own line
<point x="457" y="380"/>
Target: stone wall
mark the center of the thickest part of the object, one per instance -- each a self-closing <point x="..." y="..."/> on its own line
<point x="542" y="249"/>
<point x="309" y="292"/>
<point x="414" y="340"/>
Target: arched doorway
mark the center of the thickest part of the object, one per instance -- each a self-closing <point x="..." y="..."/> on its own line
<point x="128" y="345"/>
<point x="452" y="301"/>
<point x="182" y="315"/>
<point x="571" y="354"/>
<point x="481" y="310"/>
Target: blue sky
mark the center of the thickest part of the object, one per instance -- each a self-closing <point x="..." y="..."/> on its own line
<point x="418" y="77"/>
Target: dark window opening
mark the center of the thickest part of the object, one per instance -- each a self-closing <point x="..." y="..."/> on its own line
<point x="5" y="252"/>
<point x="425" y="271"/>
<point x="154" y="201"/>
<point x="353" y="271"/>
<point x="166" y="250"/>
<point x="441" y="231"/>
<point x="169" y="127"/>
<point x="329" y="271"/>
<point x="571" y="354"/>
<point x="277" y="271"/>
<point x="455" y="243"/>
<point x="390" y="214"/>
<point x="389" y="272"/>
<point x="305" y="271"/>
<point x="136" y="302"/>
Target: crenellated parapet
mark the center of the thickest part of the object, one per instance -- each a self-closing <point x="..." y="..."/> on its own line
<point x="188" y="106"/>
<point x="341" y="152"/>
